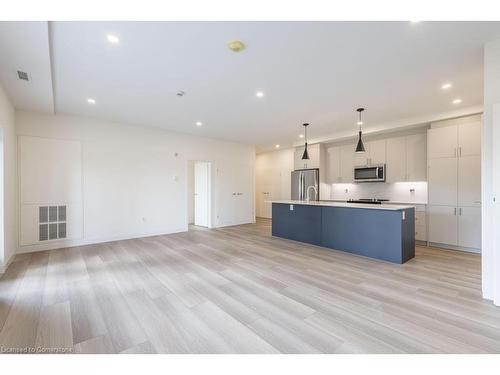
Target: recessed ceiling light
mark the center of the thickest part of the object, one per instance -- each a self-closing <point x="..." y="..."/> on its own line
<point x="199" y="123"/>
<point x="113" y="39"/>
<point x="91" y="101"/>
<point x="446" y="86"/>
<point x="301" y="135"/>
<point x="277" y="146"/>
<point x="414" y="21"/>
<point x="457" y="101"/>
<point x="236" y="45"/>
<point x="259" y="94"/>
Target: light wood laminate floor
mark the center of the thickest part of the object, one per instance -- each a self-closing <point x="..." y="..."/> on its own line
<point x="239" y="290"/>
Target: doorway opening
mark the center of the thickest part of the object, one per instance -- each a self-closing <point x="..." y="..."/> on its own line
<point x="200" y="193"/>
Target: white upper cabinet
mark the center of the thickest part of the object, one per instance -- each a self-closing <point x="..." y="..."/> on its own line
<point x="396" y="159"/>
<point x="361" y="158"/>
<point x="377" y="152"/>
<point x="406" y="158"/>
<point x="347" y="163"/>
<point x="314" y="152"/>
<point x="469" y="139"/>
<point x="333" y="174"/>
<point x="416" y="157"/>
<point x="374" y="153"/>
<point x="442" y="142"/>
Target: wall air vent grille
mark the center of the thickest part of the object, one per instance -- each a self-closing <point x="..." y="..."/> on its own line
<point x="52" y="222"/>
<point x="23" y="75"/>
<point x="43" y="232"/>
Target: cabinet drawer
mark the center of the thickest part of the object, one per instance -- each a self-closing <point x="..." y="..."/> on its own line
<point x="419" y="218"/>
<point x="420" y="233"/>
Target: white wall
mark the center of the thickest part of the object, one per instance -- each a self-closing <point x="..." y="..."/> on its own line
<point x="134" y="179"/>
<point x="8" y="206"/>
<point x="490" y="172"/>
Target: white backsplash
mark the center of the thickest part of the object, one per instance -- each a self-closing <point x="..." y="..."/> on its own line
<point x="408" y="192"/>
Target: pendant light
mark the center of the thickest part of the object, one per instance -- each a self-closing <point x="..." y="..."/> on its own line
<point x="360" y="147"/>
<point x="305" y="155"/>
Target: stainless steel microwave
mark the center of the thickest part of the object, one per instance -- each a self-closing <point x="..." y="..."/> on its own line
<point x="372" y="173"/>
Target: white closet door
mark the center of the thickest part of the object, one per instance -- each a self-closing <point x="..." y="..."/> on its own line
<point x="442" y="142"/>
<point x="442" y="176"/>
<point x="443" y="226"/>
<point x="333" y="165"/>
<point x="469" y="139"/>
<point x="201" y="191"/>
<point x="396" y="159"/>
<point x="469" y="227"/>
<point x="469" y="181"/>
<point x="244" y="202"/>
<point x="416" y="157"/>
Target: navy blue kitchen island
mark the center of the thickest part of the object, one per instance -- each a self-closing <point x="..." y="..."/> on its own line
<point x="384" y="232"/>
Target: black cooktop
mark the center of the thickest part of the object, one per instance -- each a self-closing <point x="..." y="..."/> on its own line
<point x="369" y="200"/>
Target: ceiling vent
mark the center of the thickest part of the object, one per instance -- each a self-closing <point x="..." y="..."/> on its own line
<point x="23" y="75"/>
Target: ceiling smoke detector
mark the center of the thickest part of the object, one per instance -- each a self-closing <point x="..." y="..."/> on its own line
<point x="236" y="45"/>
<point x="180" y="93"/>
<point x="23" y="75"/>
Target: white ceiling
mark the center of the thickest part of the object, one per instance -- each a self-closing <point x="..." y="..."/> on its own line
<point x="25" y="46"/>
<point x="316" y="72"/>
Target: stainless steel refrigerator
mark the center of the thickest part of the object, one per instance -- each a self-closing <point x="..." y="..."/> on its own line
<point x="305" y="180"/>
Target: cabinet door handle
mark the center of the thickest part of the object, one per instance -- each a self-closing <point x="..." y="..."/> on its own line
<point x="455" y="211"/>
<point x="460" y="211"/>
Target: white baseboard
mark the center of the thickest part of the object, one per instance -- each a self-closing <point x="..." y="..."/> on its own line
<point x="90" y="241"/>
<point x="58" y="244"/>
<point x="458" y="248"/>
<point x="5" y="265"/>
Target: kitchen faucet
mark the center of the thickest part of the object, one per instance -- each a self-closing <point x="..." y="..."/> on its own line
<point x="315" y="191"/>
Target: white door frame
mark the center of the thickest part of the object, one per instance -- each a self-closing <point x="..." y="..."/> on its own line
<point x="210" y="191"/>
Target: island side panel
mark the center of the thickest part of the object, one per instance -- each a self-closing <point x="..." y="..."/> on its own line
<point x="301" y="223"/>
<point x="368" y="232"/>
<point x="408" y="229"/>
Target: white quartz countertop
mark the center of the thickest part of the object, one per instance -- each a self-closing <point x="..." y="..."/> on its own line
<point x="389" y="207"/>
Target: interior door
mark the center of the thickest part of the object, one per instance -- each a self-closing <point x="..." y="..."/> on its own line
<point x="201" y="193"/>
<point x="243" y="176"/>
<point x="443" y="226"/>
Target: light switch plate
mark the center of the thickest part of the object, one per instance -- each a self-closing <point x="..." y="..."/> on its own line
<point x="291" y="207"/>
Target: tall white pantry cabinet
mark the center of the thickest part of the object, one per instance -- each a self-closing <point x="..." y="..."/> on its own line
<point x="454" y="184"/>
